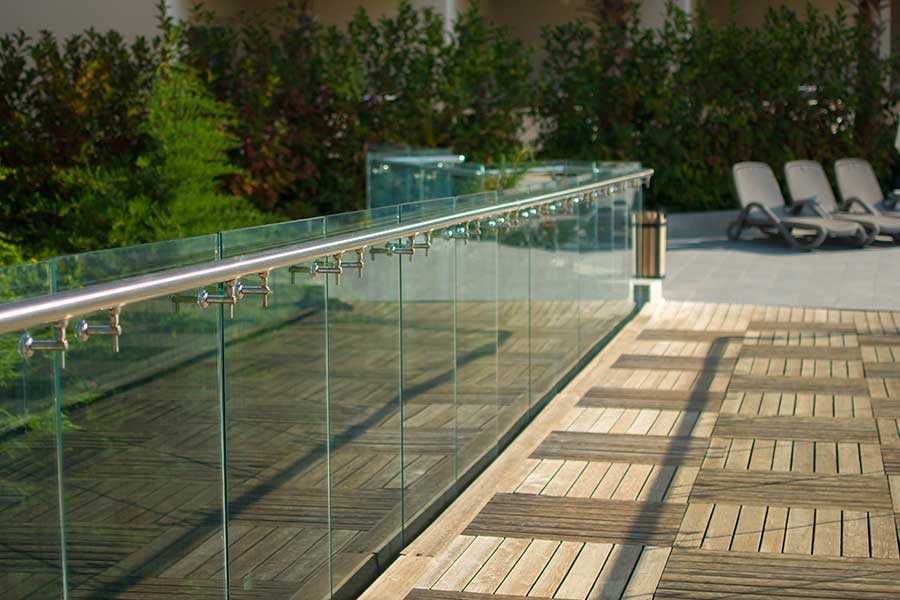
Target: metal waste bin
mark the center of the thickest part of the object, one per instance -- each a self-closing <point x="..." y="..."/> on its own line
<point x="648" y="229"/>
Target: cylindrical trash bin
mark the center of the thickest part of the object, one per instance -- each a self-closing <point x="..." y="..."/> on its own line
<point x="649" y="233"/>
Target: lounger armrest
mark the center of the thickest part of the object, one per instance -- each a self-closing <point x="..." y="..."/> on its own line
<point x="763" y="209"/>
<point x="796" y="207"/>
<point x="853" y="200"/>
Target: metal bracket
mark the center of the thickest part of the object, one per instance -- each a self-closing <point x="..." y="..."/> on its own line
<point x="426" y="245"/>
<point x="84" y="330"/>
<point x="230" y="297"/>
<point x="326" y="268"/>
<point x="392" y="248"/>
<point x="476" y="233"/>
<point x="28" y="345"/>
<point x="357" y="264"/>
<point x="459" y="232"/>
<point x="262" y="289"/>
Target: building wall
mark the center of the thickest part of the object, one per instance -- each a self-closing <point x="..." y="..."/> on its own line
<point x="64" y="17"/>
<point x="753" y="13"/>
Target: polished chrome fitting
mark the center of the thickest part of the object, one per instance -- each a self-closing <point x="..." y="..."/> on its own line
<point x="424" y="245"/>
<point x="84" y="330"/>
<point x="262" y="289"/>
<point x="28" y="345"/>
<point x="233" y="291"/>
<point x="395" y="248"/>
<point x="357" y="264"/>
<point x="459" y="232"/>
<point x="323" y="267"/>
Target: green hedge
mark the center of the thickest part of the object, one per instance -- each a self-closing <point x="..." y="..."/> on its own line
<point x="292" y="107"/>
<point x="696" y="97"/>
<point x="214" y="125"/>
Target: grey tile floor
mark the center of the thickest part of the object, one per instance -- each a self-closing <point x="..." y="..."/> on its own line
<point x="763" y="271"/>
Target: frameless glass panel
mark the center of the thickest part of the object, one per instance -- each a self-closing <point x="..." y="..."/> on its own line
<point x="31" y="560"/>
<point x="623" y="198"/>
<point x="275" y="409"/>
<point x="143" y="445"/>
<point x="476" y="338"/>
<point x="554" y="294"/>
<point x="429" y="366"/>
<point x="363" y="323"/>
<point x="513" y="317"/>
<point x="598" y="308"/>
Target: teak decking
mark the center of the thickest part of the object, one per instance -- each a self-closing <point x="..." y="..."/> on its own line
<point x="711" y="451"/>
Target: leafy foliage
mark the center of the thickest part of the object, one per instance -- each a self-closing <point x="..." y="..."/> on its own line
<point x="310" y="99"/>
<point x="696" y="97"/>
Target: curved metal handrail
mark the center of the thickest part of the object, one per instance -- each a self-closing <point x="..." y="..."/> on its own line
<point x="43" y="310"/>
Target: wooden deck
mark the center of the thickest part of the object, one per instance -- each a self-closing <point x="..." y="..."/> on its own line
<point x="711" y="451"/>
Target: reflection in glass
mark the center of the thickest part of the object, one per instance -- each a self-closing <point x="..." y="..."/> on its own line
<point x="363" y="325"/>
<point x="31" y="557"/>
<point x="142" y="449"/>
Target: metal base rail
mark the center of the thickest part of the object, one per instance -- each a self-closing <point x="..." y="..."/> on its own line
<point x="58" y="309"/>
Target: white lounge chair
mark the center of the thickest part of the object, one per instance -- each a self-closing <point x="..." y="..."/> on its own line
<point x="763" y="207"/>
<point x="856" y="181"/>
<point x="806" y="180"/>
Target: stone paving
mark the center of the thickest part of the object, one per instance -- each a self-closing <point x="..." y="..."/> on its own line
<point x="704" y="266"/>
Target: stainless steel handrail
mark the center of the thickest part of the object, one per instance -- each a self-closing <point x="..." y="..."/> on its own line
<point x="43" y="310"/>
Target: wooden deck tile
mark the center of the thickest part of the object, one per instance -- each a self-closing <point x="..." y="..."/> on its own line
<point x="674" y="363"/>
<point x="689" y="400"/>
<point x="689" y="335"/>
<point x="420" y="594"/>
<point x="640" y="449"/>
<point x="714" y="574"/>
<point x="861" y="492"/>
<point x="795" y="384"/>
<point x="578" y="519"/>
<point x="796" y="428"/>
<point x="891" y="458"/>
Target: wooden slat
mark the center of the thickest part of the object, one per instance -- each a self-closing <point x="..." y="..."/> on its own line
<point x="674" y="363"/>
<point x="578" y="519"/>
<point x="801" y="352"/>
<point x="878" y="339"/>
<point x="862" y="492"/>
<point x="688" y="400"/>
<point x="641" y="449"/>
<point x="883" y="369"/>
<point x="796" y="428"/>
<point x="809" y="327"/>
<point x="794" y="384"/>
<point x="712" y="574"/>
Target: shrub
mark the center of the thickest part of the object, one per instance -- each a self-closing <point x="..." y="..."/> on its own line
<point x="310" y="99"/>
<point x="696" y="97"/>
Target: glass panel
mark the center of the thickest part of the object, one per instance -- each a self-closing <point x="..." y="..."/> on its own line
<point x="476" y="339"/>
<point x="596" y="293"/>
<point x="142" y="445"/>
<point x="429" y="367"/>
<point x="554" y="289"/>
<point x="30" y="563"/>
<point x="275" y="408"/>
<point x="513" y="318"/>
<point x="363" y="324"/>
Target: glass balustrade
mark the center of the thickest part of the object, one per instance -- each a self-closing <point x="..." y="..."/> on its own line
<point x="283" y="435"/>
